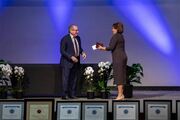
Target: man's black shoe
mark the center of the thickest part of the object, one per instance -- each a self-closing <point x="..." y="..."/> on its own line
<point x="64" y="97"/>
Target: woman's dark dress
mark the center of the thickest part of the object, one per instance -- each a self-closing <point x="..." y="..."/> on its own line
<point x="119" y="58"/>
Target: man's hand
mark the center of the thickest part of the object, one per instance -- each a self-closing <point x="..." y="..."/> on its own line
<point x="84" y="55"/>
<point x="74" y="59"/>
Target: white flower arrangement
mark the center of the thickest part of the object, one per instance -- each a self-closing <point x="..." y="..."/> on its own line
<point x="89" y="73"/>
<point x="104" y="72"/>
<point x="9" y="74"/>
<point x="103" y="66"/>
<point x="5" y="74"/>
<point x="5" y="70"/>
<point x="19" y="73"/>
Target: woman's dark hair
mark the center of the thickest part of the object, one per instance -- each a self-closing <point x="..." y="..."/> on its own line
<point x="118" y="26"/>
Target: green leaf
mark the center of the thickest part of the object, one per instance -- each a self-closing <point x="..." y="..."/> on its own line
<point x="135" y="73"/>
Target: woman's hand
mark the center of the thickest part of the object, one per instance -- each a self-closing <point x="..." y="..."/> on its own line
<point x="101" y="47"/>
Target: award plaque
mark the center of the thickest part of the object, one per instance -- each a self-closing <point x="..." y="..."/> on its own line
<point x="68" y="110"/>
<point x="94" y="110"/>
<point x="126" y="110"/>
<point x="178" y="109"/>
<point x="39" y="109"/>
<point x="157" y="109"/>
<point x="12" y="110"/>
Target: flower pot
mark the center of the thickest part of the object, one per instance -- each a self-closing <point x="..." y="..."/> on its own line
<point x="104" y="95"/>
<point x="97" y="94"/>
<point x="3" y="95"/>
<point x="90" y="95"/>
<point x="19" y="94"/>
<point x="128" y="91"/>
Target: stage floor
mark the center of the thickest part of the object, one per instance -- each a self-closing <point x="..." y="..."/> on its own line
<point x="157" y="95"/>
<point x="140" y="95"/>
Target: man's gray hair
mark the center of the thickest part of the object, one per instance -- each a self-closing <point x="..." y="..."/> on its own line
<point x="70" y="27"/>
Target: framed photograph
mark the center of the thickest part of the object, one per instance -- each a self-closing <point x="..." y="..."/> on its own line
<point x="68" y="110"/>
<point x="39" y="109"/>
<point x="157" y="109"/>
<point x="94" y="110"/>
<point x="178" y="109"/>
<point x="11" y="110"/>
<point x="126" y="110"/>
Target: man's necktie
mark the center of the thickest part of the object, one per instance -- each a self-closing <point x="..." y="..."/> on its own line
<point x="76" y="47"/>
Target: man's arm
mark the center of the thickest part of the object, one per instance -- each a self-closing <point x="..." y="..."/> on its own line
<point x="63" y="45"/>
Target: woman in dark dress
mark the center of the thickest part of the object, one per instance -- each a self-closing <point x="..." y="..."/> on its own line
<point x="119" y="57"/>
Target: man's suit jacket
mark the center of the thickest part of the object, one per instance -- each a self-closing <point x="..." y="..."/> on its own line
<point x="67" y="51"/>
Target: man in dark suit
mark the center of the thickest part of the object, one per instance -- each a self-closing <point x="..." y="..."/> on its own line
<point x="70" y="48"/>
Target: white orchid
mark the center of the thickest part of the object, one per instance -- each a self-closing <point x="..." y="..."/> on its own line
<point x="6" y="70"/>
<point x="19" y="72"/>
<point x="107" y="65"/>
<point x="89" y="73"/>
<point x="103" y="66"/>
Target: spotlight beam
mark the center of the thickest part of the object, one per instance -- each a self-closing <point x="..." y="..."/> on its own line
<point x="148" y="22"/>
<point x="60" y="11"/>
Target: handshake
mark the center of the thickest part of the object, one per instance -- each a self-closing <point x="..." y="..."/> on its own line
<point x="97" y="45"/>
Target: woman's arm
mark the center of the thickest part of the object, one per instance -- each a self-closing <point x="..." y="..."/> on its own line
<point x="111" y="46"/>
<point x="112" y="43"/>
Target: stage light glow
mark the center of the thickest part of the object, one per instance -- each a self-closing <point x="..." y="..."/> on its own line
<point x="148" y="21"/>
<point x="60" y="11"/>
<point x="1" y="5"/>
<point x="4" y="3"/>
